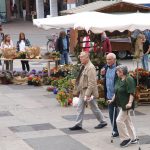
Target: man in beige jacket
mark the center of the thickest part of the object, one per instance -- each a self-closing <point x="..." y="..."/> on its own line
<point x="87" y="87"/>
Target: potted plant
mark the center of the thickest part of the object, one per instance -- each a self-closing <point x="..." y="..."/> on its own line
<point x="36" y="81"/>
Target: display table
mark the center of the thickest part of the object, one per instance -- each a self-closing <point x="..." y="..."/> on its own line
<point x="33" y="60"/>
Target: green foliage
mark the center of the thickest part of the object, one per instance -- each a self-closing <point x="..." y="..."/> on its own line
<point x="47" y="80"/>
<point x="102" y="103"/>
<point x="97" y="58"/>
<point x="21" y="55"/>
<point x="54" y="83"/>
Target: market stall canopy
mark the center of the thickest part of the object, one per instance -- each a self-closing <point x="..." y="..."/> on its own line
<point x="112" y="22"/>
<point x="67" y="21"/>
<point x="97" y="22"/>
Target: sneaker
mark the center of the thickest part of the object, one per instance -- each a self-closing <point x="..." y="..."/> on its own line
<point x="101" y="125"/>
<point x="135" y="141"/>
<point x="76" y="127"/>
<point x="115" y="134"/>
<point x="125" y="143"/>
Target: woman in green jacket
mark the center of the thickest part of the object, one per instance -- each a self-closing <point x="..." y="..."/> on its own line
<point x="124" y="97"/>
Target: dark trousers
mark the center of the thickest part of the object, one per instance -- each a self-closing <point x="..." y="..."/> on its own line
<point x="111" y="115"/>
<point x="25" y="65"/>
<point x="9" y="65"/>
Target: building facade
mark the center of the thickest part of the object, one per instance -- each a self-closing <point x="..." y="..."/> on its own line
<point x="5" y="10"/>
<point x="37" y="8"/>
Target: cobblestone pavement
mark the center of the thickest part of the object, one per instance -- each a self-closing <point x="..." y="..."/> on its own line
<point x="32" y="119"/>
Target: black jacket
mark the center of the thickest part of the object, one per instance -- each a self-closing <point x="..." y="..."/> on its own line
<point x="27" y="43"/>
<point x="59" y="44"/>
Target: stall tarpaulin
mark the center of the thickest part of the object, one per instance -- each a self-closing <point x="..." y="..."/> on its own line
<point x="97" y="22"/>
<point x="120" y="22"/>
<point x="67" y="21"/>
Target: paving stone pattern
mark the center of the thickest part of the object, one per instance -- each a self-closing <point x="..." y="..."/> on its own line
<point x="5" y="114"/>
<point x="56" y="143"/>
<point x="34" y="127"/>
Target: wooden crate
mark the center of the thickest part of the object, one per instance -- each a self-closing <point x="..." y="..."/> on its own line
<point x="143" y="96"/>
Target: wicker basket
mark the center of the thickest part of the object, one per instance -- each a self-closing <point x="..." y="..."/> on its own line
<point x="9" y="53"/>
<point x="33" y="52"/>
<point x="19" y="80"/>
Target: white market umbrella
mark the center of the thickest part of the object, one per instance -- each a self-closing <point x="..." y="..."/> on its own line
<point x="67" y="21"/>
<point x="120" y="22"/>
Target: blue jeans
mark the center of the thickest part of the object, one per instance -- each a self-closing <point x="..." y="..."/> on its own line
<point x="111" y="115"/>
<point x="64" y="57"/>
<point x="145" y="61"/>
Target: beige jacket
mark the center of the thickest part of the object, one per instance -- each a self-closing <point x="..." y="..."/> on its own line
<point x="88" y="81"/>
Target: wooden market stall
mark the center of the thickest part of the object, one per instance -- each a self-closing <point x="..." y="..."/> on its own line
<point x="122" y="48"/>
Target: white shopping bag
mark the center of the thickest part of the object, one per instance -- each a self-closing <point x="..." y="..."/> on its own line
<point x="75" y="101"/>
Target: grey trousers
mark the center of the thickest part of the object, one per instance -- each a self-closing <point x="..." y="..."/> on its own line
<point x="94" y="107"/>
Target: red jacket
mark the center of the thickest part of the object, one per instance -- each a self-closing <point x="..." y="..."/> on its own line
<point x="106" y="46"/>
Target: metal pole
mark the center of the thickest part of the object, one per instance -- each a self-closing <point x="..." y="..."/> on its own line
<point x="136" y="131"/>
<point x="137" y="74"/>
<point x="113" y="124"/>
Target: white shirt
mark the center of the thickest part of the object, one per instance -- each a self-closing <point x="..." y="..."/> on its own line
<point x="4" y="45"/>
<point x="22" y="46"/>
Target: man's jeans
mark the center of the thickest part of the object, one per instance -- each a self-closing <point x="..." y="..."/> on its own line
<point x="111" y="115"/>
<point x="145" y="62"/>
<point x="64" y="57"/>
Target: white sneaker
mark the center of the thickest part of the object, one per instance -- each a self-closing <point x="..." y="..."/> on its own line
<point x="135" y="141"/>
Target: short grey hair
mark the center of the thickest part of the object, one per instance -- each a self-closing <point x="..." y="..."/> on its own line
<point x="123" y="68"/>
<point x="111" y="55"/>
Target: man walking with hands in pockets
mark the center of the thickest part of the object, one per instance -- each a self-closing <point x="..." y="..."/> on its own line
<point x="88" y="92"/>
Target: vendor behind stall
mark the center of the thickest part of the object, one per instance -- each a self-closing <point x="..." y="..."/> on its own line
<point x="21" y="46"/>
<point x="106" y="46"/>
<point x="7" y="43"/>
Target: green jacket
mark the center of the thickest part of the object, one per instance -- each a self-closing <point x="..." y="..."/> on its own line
<point x="123" y="89"/>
